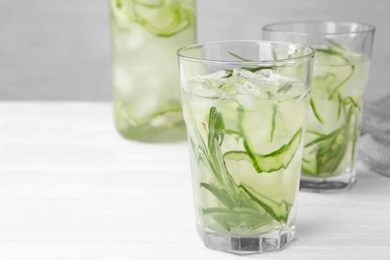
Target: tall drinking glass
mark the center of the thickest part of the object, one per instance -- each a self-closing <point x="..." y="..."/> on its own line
<point x="245" y="105"/>
<point x="145" y="36"/>
<point x="341" y="70"/>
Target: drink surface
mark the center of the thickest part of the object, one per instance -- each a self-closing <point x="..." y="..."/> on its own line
<point x="338" y="83"/>
<point x="245" y="130"/>
<point x="145" y="37"/>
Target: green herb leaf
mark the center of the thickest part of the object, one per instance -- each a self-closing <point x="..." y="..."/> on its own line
<point x="273" y="123"/>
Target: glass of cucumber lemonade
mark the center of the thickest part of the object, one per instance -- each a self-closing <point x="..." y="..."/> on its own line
<point x="145" y="36"/>
<point x="245" y="105"/>
<point x="341" y="70"/>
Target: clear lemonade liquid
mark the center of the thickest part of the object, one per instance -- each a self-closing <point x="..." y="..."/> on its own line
<point x="336" y="101"/>
<point x="245" y="130"/>
<point x="145" y="37"/>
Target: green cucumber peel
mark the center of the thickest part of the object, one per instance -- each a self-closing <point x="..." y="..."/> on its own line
<point x="334" y="90"/>
<point x="274" y="161"/>
<point x="273" y="122"/>
<point x="315" y="111"/>
<point x="340" y="104"/>
<point x="330" y="52"/>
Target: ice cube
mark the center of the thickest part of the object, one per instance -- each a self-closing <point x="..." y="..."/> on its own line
<point x="203" y="87"/>
<point x="205" y="91"/>
<point x="245" y="100"/>
<point x="265" y="73"/>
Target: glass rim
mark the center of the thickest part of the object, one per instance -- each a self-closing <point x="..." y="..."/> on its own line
<point x="180" y="52"/>
<point x="365" y="27"/>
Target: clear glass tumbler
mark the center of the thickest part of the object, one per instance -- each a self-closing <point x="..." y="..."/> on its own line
<point x="341" y="70"/>
<point x="145" y="36"/>
<point x="245" y="105"/>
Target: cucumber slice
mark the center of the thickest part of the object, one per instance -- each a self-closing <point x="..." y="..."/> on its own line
<point x="331" y="73"/>
<point x="337" y="47"/>
<point x="160" y="18"/>
<point x="270" y="162"/>
<point x="119" y="15"/>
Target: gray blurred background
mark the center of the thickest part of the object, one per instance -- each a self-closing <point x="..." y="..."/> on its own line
<point x="60" y="49"/>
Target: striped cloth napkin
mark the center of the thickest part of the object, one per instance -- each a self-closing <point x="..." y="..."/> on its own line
<point x="374" y="144"/>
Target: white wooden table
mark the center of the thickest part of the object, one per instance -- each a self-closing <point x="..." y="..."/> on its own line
<point x="72" y="188"/>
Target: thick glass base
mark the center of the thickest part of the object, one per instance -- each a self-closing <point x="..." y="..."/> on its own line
<point x="328" y="184"/>
<point x="246" y="245"/>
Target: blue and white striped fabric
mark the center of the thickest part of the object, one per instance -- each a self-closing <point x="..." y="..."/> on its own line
<point x="374" y="144"/>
